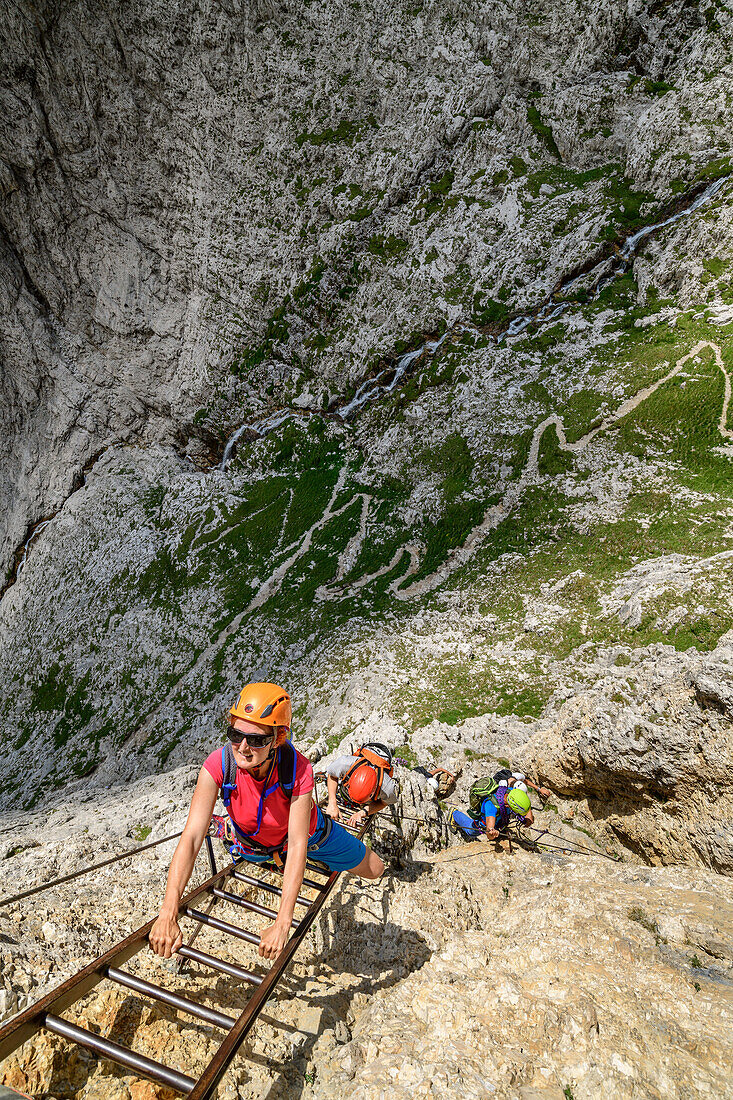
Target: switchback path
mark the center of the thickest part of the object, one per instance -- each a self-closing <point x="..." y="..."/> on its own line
<point x="530" y="475"/>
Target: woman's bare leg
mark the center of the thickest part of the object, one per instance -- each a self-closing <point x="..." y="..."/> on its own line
<point x="370" y="867"/>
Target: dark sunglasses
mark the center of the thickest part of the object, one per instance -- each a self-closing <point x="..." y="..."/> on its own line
<point x="254" y="740"/>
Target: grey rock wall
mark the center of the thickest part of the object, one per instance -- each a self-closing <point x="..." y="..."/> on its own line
<point x="99" y="235"/>
<point x="171" y="173"/>
<point x="291" y="191"/>
<point x="650" y="763"/>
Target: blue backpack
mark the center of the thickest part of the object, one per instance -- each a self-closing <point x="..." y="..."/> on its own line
<point x="285" y="759"/>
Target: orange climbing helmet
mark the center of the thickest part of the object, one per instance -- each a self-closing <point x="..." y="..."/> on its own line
<point x="363" y="781"/>
<point x="267" y="704"/>
<point x="361" y="784"/>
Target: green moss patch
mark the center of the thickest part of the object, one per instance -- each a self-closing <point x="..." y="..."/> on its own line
<point x="543" y="131"/>
<point x="346" y="133"/>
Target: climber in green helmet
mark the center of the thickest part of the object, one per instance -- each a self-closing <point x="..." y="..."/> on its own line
<point x="500" y="807"/>
<point x="512" y="804"/>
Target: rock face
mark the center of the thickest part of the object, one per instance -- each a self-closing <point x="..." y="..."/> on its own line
<point x="243" y="215"/>
<point x="655" y="771"/>
<point x="454" y="286"/>
<point x="101" y="320"/>
<point x="570" y="977"/>
<point x="714" y="688"/>
<point x="469" y="972"/>
<point x="183" y="189"/>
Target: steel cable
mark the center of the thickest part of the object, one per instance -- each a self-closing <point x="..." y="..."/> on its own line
<point x="576" y="844"/>
<point x="86" y="870"/>
<point x="571" y="846"/>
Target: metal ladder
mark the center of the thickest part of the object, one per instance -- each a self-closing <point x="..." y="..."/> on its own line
<point x="47" y="1013"/>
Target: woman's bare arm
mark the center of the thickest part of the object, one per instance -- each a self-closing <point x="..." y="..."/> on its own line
<point x="274" y="938"/>
<point x="332" y="809"/>
<point x="165" y="935"/>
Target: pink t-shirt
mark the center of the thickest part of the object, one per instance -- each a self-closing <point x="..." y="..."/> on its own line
<point x="276" y="808"/>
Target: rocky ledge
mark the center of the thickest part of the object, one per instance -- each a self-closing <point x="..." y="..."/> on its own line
<point x="465" y="972"/>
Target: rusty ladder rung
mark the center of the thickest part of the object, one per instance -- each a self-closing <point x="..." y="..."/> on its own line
<point x="306" y="881"/>
<point x="215" y="963"/>
<point x="313" y="885"/>
<point x="26" y="1023"/>
<point x="252" y="881"/>
<point x="325" y="871"/>
<point x="223" y="926"/>
<point x="252" y="906"/>
<point x="146" y="1067"/>
<point x="207" y="1084"/>
<point x="175" y="1000"/>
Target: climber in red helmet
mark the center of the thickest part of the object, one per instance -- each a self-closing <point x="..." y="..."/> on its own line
<point x="363" y="783"/>
<point x="266" y="786"/>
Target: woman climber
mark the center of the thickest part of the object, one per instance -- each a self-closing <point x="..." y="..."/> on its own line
<point x="267" y="788"/>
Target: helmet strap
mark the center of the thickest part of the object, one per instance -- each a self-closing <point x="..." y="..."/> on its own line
<point x="265" y="764"/>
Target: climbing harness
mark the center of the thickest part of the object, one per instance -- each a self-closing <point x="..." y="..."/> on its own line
<point x="284" y="759"/>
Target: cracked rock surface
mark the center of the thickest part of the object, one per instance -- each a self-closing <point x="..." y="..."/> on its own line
<point x="451" y="287"/>
<point x="464" y="972"/>
<point x="170" y="176"/>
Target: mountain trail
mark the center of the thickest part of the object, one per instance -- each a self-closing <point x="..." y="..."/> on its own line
<point x="530" y="475"/>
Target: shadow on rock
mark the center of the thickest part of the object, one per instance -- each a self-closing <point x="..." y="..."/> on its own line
<point x="410" y="870"/>
<point x="355" y="938"/>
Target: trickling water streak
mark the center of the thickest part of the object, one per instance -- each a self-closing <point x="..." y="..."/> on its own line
<point x="31" y="538"/>
<point x="629" y="245"/>
<point x="368" y="391"/>
<point x="231" y="444"/>
<point x="259" y="427"/>
<point x="371" y="389"/>
<point x="610" y="269"/>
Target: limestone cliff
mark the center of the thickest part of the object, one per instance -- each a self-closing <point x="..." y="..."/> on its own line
<point x="447" y="481"/>
<point x="384" y="350"/>
<point x="295" y="192"/>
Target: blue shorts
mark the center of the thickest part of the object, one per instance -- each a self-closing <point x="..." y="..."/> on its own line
<point x="341" y="852"/>
<point x="469" y="826"/>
